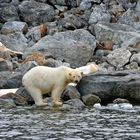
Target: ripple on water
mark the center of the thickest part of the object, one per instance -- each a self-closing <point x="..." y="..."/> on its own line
<point x="90" y="124"/>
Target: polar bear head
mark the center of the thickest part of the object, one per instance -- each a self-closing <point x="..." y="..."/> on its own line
<point x="74" y="75"/>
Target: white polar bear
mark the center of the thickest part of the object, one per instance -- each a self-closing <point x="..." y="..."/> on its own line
<point x="41" y="79"/>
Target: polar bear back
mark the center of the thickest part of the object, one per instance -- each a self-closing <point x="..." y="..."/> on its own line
<point x="42" y="77"/>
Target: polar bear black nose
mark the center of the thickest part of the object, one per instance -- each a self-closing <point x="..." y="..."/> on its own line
<point x="76" y="81"/>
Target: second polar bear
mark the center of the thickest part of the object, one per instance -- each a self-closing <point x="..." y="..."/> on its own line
<point x="41" y="79"/>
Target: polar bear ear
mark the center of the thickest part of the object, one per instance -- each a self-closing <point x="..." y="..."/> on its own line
<point x="82" y="73"/>
<point x="70" y="74"/>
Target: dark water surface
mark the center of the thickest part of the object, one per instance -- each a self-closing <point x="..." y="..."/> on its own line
<point x="88" y="124"/>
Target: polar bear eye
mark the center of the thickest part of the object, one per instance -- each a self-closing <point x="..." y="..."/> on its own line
<point x="73" y="76"/>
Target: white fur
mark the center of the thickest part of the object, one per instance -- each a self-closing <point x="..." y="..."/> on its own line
<point x="40" y="80"/>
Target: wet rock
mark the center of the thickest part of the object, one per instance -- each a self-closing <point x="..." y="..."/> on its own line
<point x="118" y="33"/>
<point x="99" y="14"/>
<point x="50" y="62"/>
<point x="23" y="92"/>
<point x="35" y="34"/>
<point x="125" y="84"/>
<point x="73" y="47"/>
<point x="135" y="58"/>
<point x="117" y="59"/>
<point x="5" y="65"/>
<point x="120" y="100"/>
<point x="34" y="12"/>
<point x="15" y="41"/>
<point x="70" y="93"/>
<point x="7" y="103"/>
<point x="8" y="12"/>
<point x="14" y="26"/>
<point x="18" y="100"/>
<point x="90" y="99"/>
<point x="75" y="103"/>
<point x="10" y="79"/>
<point x="26" y="67"/>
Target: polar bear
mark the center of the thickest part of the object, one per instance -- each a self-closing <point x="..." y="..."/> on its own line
<point x="41" y="79"/>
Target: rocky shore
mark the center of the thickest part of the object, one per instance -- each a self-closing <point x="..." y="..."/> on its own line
<point x="72" y="33"/>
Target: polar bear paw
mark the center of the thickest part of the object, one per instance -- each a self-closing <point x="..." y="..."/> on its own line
<point x="58" y="103"/>
<point x="41" y="104"/>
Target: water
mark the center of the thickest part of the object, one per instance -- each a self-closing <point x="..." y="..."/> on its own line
<point x="31" y="123"/>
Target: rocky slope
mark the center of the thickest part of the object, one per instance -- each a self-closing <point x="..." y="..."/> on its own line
<point x="73" y="33"/>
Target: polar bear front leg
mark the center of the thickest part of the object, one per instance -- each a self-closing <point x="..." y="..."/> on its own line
<point x="37" y="96"/>
<point x="56" y="95"/>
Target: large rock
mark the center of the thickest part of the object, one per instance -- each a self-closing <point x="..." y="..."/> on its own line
<point x="5" y="65"/>
<point x="118" y="33"/>
<point x="18" y="99"/>
<point x="110" y="86"/>
<point x="72" y="3"/>
<point x="34" y="12"/>
<point x="15" y="41"/>
<point x="129" y="18"/>
<point x="99" y="13"/>
<point x="35" y="34"/>
<point x="10" y="79"/>
<point x="74" y="47"/>
<point x="119" y="57"/>
<point x="14" y="26"/>
<point x="8" y="12"/>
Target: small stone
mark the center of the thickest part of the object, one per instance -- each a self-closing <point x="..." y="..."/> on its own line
<point x="97" y="105"/>
<point x="7" y="103"/>
<point x="75" y="103"/>
<point x="120" y="100"/>
<point x="70" y="93"/>
<point x="90" y="99"/>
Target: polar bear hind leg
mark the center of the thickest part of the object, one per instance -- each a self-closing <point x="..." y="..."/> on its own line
<point x="37" y="96"/>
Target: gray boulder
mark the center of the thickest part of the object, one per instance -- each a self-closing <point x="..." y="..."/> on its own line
<point x="98" y="14"/>
<point x="134" y="42"/>
<point x="14" y="26"/>
<point x="71" y="3"/>
<point x="74" y="47"/>
<point x="119" y="57"/>
<point x="34" y="12"/>
<point x="7" y="103"/>
<point x="15" y="41"/>
<point x="35" y="34"/>
<point x="129" y="18"/>
<point x="118" y="33"/>
<point x="109" y="86"/>
<point x="8" y="12"/>
<point x="10" y="80"/>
